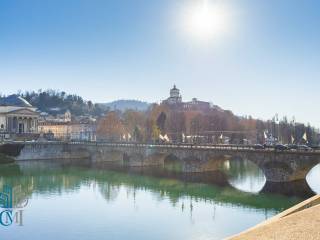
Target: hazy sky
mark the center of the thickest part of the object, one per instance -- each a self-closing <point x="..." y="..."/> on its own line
<point x="262" y="59"/>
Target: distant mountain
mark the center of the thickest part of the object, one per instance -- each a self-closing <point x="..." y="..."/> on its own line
<point x="123" y="105"/>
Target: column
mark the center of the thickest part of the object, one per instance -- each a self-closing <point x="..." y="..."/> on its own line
<point x="28" y="129"/>
<point x="14" y="125"/>
<point x="7" y="125"/>
<point x="36" y="124"/>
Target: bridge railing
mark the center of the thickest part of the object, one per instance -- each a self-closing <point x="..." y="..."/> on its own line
<point x="232" y="147"/>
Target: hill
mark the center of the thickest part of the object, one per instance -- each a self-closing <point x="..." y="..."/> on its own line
<point x="52" y="101"/>
<point x="123" y="105"/>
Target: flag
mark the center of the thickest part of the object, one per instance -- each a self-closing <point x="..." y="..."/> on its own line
<point x="265" y="135"/>
<point x="161" y="137"/>
<point x="166" y="138"/>
<point x="124" y="137"/>
<point x="183" y="137"/>
<point x="129" y="136"/>
<point x="305" y="137"/>
<point x="221" y="136"/>
<point x="292" y="139"/>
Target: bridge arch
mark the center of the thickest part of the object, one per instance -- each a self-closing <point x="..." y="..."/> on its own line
<point x="244" y="175"/>
<point x="313" y="177"/>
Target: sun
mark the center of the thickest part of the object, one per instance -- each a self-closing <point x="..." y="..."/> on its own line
<point x="205" y="19"/>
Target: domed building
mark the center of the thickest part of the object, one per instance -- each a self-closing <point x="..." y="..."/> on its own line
<point x="14" y="100"/>
<point x="175" y="102"/>
<point x="17" y="117"/>
<point x="175" y="97"/>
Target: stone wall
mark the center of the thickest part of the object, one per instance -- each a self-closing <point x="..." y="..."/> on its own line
<point x="52" y="151"/>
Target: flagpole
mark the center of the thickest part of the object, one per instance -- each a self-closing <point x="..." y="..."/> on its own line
<point x="294" y="127"/>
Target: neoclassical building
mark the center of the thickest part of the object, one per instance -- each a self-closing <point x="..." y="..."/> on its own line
<point x="17" y="116"/>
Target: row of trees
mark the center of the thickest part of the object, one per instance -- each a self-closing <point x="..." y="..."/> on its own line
<point x="207" y="127"/>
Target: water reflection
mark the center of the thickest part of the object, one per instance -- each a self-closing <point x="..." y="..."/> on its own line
<point x="313" y="179"/>
<point x="93" y="202"/>
<point x="245" y="175"/>
<point x="44" y="178"/>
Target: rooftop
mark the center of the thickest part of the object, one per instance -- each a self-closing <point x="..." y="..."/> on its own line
<point x="14" y="100"/>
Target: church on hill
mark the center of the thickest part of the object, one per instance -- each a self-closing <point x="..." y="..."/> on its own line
<point x="174" y="101"/>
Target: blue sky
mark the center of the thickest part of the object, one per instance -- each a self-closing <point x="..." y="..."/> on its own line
<point x="266" y="61"/>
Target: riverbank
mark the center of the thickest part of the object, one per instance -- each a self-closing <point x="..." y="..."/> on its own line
<point x="299" y="222"/>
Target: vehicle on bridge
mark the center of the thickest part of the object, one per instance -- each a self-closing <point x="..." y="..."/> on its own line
<point x="280" y="147"/>
<point x="258" y="146"/>
<point x="292" y="146"/>
<point x="304" y="147"/>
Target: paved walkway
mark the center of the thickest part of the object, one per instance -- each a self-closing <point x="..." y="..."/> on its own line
<point x="303" y="224"/>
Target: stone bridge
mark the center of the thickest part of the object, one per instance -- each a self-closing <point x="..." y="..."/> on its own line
<point x="278" y="166"/>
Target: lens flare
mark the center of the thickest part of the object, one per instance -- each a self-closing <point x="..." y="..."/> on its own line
<point x="205" y="19"/>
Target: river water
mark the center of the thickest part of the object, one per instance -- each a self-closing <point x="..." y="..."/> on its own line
<point x="62" y="201"/>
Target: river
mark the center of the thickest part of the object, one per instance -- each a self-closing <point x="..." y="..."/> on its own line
<point x="57" y="200"/>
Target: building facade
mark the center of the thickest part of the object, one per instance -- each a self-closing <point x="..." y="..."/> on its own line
<point x="196" y="105"/>
<point x="17" y="116"/>
<point x="79" y="128"/>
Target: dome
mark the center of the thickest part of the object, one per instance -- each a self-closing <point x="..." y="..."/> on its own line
<point x="174" y="92"/>
<point x="14" y="100"/>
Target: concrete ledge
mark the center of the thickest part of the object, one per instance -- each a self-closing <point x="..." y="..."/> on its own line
<point x="310" y="202"/>
<point x="298" y="211"/>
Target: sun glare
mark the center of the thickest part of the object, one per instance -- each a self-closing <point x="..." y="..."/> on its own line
<point x="205" y="19"/>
